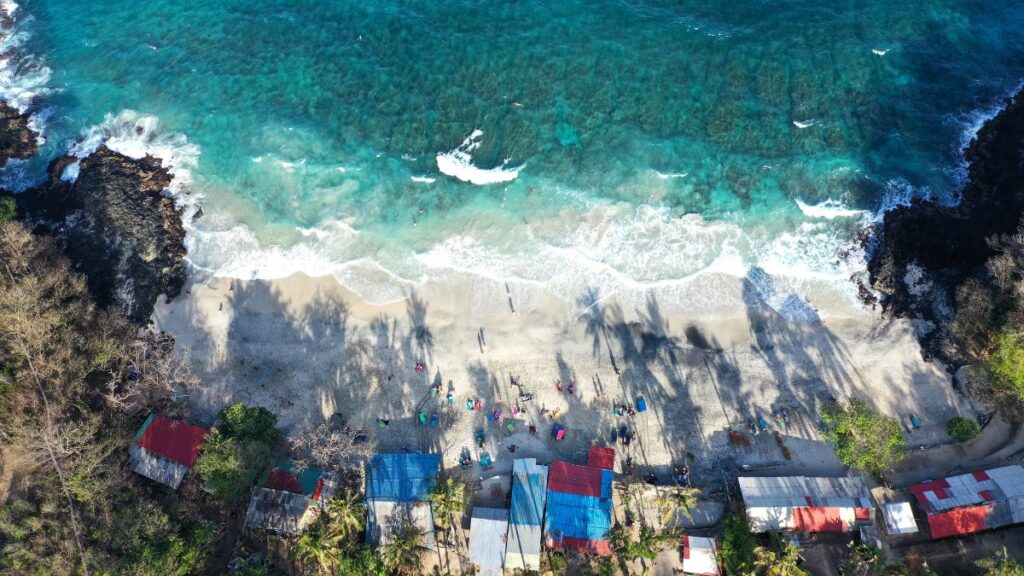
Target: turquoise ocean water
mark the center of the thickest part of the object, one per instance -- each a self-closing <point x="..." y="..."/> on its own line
<point x="621" y="146"/>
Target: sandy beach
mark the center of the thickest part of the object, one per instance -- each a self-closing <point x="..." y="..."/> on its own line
<point x="307" y="349"/>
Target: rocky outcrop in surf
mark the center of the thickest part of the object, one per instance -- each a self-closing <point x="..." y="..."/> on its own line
<point x="17" y="139"/>
<point x="117" y="225"/>
<point x="925" y="252"/>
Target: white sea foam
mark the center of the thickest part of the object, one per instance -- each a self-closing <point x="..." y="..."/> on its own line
<point x="671" y="175"/>
<point x="804" y="124"/>
<point x="898" y="192"/>
<point x="423" y="179"/>
<point x="878" y="52"/>
<point x="23" y="77"/>
<point x="136" y="136"/>
<point x="830" y="210"/>
<point x="458" y="163"/>
<point x="971" y="122"/>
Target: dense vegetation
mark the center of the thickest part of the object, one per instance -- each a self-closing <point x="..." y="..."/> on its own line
<point x="864" y="439"/>
<point x="69" y="504"/>
<point x="989" y="321"/>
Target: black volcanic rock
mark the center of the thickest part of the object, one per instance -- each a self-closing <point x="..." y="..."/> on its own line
<point x="950" y="244"/>
<point x="117" y="226"/>
<point x="17" y="140"/>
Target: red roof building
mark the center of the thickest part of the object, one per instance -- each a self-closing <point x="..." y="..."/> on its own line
<point x="806" y="504"/>
<point x="972" y="502"/>
<point x="164" y="450"/>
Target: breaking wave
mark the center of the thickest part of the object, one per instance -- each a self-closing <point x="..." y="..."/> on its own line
<point x="458" y="163"/>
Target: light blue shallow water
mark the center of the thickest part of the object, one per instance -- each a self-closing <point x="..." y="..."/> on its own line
<point x="655" y="141"/>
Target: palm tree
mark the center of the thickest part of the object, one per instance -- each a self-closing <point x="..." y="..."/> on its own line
<point x="320" y="546"/>
<point x="779" y="563"/>
<point x="449" y="499"/>
<point x="401" y="553"/>
<point x="345" y="514"/>
<point x="683" y="499"/>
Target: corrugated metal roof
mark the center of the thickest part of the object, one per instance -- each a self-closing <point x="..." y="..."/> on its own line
<point x="529" y="494"/>
<point x="1009" y="479"/>
<point x="487" y="538"/>
<point x="529" y="487"/>
<point x="279" y="511"/>
<point x="171" y="439"/>
<point x="577" y="516"/>
<point x="156" y="468"/>
<point x="960" y="521"/>
<point x="286" y="476"/>
<point x="599" y="457"/>
<point x="804" y="491"/>
<point x="968" y="490"/>
<point x="385" y="518"/>
<point x="899" y="518"/>
<point x="700" y="556"/>
<point x="583" y="480"/>
<point x="401" y="477"/>
<point x="770" y="518"/>
<point x="523" y="549"/>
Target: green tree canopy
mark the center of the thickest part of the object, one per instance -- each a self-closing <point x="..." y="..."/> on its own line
<point x="737" y="550"/>
<point x="249" y="423"/>
<point x="863" y="438"/>
<point x="449" y="500"/>
<point x="230" y="466"/>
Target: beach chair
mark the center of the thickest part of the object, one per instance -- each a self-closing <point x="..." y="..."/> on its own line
<point x="434" y="420"/>
<point x="641" y="404"/>
<point x="479" y="437"/>
<point x="423" y="419"/>
<point x="485" y="461"/>
<point x="558" y="431"/>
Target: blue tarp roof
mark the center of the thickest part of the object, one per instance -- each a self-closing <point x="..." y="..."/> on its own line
<point x="528" y="497"/>
<point x="401" y="477"/>
<point x="576" y="516"/>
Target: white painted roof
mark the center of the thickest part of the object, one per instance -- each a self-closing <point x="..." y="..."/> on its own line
<point x="487" y="535"/>
<point x="899" y="518"/>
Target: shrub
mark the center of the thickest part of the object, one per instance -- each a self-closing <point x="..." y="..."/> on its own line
<point x="863" y="438"/>
<point x="1006" y="364"/>
<point x="8" y="209"/>
<point x="962" y="429"/>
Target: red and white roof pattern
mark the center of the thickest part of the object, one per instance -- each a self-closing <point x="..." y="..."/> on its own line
<point x="970" y="489"/>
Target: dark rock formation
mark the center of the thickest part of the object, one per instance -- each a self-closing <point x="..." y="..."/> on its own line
<point x="17" y="140"/>
<point x="950" y="244"/>
<point x="117" y="226"/>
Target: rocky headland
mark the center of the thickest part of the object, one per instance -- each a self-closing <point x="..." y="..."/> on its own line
<point x="17" y="139"/>
<point x="924" y="253"/>
<point x="117" y="226"/>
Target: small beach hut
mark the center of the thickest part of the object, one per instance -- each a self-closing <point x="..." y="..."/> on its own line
<point x="164" y="450"/>
<point x="487" y="539"/>
<point x="700" y="556"/>
<point x="289" y="499"/>
<point x="529" y="492"/>
<point x="398" y="491"/>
